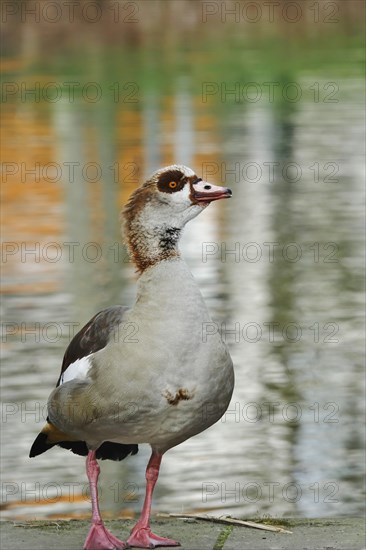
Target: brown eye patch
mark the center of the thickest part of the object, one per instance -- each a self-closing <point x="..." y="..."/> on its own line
<point x="171" y="181"/>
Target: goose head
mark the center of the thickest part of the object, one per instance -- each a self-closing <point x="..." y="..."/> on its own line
<point x="158" y="210"/>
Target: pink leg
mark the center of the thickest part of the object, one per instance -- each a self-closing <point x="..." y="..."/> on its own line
<point x="99" y="538"/>
<point x="141" y="535"/>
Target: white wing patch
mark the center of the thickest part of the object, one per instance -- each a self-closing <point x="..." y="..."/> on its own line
<point x="79" y="369"/>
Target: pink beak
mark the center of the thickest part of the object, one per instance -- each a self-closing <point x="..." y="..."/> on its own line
<point x="206" y="192"/>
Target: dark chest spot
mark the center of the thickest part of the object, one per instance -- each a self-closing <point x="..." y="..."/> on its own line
<point x="180" y="395"/>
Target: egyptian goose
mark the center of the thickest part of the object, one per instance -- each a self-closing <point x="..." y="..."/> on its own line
<point x="152" y="355"/>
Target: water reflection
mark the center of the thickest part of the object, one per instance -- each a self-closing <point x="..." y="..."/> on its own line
<point x="286" y="298"/>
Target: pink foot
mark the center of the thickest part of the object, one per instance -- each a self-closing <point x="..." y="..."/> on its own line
<point x="144" y="538"/>
<point x="99" y="538"/>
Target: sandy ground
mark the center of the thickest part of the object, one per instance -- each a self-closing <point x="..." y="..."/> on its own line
<point x="313" y="534"/>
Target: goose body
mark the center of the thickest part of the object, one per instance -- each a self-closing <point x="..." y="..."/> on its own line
<point x="150" y="374"/>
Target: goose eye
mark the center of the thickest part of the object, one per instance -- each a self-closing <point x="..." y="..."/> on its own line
<point x="172" y="184"/>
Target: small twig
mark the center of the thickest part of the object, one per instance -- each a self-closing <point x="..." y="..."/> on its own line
<point x="229" y="520"/>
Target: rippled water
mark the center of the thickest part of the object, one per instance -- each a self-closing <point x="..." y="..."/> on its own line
<point x="280" y="266"/>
